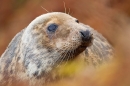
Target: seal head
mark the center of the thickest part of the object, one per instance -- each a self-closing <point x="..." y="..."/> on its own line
<point x="52" y="38"/>
<point x="46" y="42"/>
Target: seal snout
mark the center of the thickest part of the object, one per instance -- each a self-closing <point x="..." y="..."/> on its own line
<point x="86" y="35"/>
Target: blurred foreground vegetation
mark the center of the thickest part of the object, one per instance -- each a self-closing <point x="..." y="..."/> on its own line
<point x="109" y="17"/>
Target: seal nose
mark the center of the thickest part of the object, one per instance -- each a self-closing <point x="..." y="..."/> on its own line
<point x="86" y="35"/>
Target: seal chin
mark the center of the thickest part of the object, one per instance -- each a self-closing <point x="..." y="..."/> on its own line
<point x="88" y="42"/>
<point x="84" y="45"/>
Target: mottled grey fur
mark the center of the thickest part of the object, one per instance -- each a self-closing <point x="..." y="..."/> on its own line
<point x="35" y="61"/>
<point x="100" y="51"/>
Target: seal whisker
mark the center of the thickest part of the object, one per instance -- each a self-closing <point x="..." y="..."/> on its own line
<point x="45" y="9"/>
<point x="67" y="57"/>
<point x="61" y="55"/>
<point x="64" y="6"/>
<point x="69" y="11"/>
<point x="73" y="52"/>
<point x="59" y="59"/>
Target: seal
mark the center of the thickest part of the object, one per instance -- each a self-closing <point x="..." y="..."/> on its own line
<point x="45" y="43"/>
<point x="101" y="52"/>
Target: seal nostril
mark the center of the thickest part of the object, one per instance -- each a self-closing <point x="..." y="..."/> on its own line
<point x="82" y="34"/>
<point x="86" y="35"/>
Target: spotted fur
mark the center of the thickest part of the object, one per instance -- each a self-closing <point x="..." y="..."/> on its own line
<point x="100" y="52"/>
<point x="33" y="53"/>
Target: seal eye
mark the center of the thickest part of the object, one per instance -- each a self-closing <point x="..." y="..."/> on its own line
<point x="77" y="21"/>
<point x="52" y="27"/>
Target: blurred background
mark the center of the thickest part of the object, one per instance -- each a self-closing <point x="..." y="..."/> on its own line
<point x="109" y="17"/>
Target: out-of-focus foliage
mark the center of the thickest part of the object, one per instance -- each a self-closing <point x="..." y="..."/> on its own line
<point x="110" y="17"/>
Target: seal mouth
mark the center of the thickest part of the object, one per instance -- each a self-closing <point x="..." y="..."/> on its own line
<point x="72" y="54"/>
<point x="84" y="45"/>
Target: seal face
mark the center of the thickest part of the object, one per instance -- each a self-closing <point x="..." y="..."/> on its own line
<point x="46" y="42"/>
